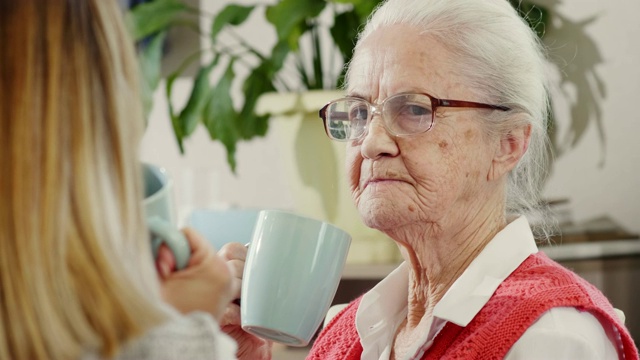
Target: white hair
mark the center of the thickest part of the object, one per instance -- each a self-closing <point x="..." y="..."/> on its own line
<point x="503" y="61"/>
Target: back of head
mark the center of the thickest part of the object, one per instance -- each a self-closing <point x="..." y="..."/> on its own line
<point x="75" y="269"/>
<point x="503" y="62"/>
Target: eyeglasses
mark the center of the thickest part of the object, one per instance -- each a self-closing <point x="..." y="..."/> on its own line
<point x="402" y="114"/>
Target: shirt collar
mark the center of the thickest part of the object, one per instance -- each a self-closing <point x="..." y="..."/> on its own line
<point x="384" y="306"/>
<point x="380" y="311"/>
<point x="473" y="289"/>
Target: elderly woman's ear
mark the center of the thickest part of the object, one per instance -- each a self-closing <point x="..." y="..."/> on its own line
<point x="511" y="148"/>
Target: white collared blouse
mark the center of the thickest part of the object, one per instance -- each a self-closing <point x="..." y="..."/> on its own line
<point x="560" y="333"/>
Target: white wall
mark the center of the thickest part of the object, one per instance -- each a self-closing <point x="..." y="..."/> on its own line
<point x="611" y="189"/>
<point x="594" y="189"/>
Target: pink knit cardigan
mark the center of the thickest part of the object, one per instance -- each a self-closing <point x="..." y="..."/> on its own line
<point x="536" y="286"/>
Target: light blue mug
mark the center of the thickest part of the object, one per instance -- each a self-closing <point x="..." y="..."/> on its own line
<point x="291" y="275"/>
<point x="159" y="210"/>
<point x="220" y="226"/>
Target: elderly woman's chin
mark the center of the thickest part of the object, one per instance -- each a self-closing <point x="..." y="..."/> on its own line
<point x="382" y="214"/>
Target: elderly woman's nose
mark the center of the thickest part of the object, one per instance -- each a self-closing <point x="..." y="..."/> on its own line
<point x="377" y="141"/>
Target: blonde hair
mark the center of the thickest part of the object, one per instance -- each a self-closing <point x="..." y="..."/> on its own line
<point x="76" y="272"/>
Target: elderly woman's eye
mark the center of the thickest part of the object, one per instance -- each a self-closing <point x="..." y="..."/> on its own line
<point x="416" y="110"/>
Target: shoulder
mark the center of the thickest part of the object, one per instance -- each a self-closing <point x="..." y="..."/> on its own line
<point x="339" y="338"/>
<point x="531" y="296"/>
<point x="566" y="333"/>
<point x="540" y="278"/>
<point x="194" y="336"/>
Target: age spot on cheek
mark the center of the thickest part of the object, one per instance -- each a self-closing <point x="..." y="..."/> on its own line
<point x="443" y="144"/>
<point x="469" y="135"/>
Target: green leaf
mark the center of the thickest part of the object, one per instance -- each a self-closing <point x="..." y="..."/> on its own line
<point x="344" y="32"/>
<point x="231" y="15"/>
<point x="278" y="56"/>
<point x="192" y="112"/>
<point x="150" y="60"/>
<point x="361" y="7"/>
<point x="256" y="84"/>
<point x="175" y="119"/>
<point x="290" y="18"/>
<point x="365" y="7"/>
<point x="220" y="117"/>
<point x="151" y="17"/>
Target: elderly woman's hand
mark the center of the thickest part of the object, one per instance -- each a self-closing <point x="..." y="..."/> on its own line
<point x="206" y="283"/>
<point x="250" y="347"/>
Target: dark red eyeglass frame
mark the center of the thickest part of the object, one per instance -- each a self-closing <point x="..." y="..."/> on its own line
<point x="435" y="104"/>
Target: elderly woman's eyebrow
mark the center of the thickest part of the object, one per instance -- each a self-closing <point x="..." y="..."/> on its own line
<point x="357" y="95"/>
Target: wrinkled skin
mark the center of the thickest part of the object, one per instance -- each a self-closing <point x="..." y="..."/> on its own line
<point x="439" y="194"/>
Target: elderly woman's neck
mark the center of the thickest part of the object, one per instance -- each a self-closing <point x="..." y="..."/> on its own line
<point x="438" y="259"/>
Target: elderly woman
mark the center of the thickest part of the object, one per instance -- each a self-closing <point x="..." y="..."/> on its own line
<point x="445" y="126"/>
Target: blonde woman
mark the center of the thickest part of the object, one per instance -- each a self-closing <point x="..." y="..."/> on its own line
<point x="76" y="276"/>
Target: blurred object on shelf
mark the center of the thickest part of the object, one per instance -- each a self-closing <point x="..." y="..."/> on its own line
<point x="597" y="229"/>
<point x="601" y="228"/>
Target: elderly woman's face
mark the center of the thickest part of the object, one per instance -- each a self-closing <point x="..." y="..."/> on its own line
<point x="434" y="177"/>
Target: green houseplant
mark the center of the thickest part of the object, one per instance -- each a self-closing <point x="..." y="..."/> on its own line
<point x="305" y="28"/>
<point x="210" y="103"/>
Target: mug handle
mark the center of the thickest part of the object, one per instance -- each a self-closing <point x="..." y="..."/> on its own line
<point x="163" y="232"/>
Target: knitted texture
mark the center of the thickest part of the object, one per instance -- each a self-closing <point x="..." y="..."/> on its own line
<point x="193" y="336"/>
<point x="339" y="340"/>
<point x="538" y="285"/>
<point x="535" y="287"/>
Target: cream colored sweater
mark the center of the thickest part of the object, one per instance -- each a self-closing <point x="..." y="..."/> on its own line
<point x="192" y="337"/>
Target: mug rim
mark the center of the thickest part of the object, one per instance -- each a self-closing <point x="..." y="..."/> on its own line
<point x="165" y="179"/>
<point x="320" y="221"/>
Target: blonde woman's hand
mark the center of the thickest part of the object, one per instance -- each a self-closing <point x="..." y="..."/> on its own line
<point x="250" y="347"/>
<point x="204" y="285"/>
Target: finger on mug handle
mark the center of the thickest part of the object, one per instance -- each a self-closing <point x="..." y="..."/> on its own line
<point x="237" y="301"/>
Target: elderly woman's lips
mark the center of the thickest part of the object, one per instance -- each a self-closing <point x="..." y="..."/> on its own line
<point x="380" y="181"/>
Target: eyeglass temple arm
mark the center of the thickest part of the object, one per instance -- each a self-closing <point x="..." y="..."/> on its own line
<point x="469" y="104"/>
<point x="338" y="114"/>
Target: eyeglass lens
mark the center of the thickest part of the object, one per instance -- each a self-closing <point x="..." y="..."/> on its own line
<point x="403" y="114"/>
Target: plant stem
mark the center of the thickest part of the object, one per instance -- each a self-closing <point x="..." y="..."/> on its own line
<point x="246" y="45"/>
<point x="190" y="59"/>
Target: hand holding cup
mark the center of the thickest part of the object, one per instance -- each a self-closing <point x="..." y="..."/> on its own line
<point x="206" y="284"/>
<point x="292" y="271"/>
<point x="250" y="347"/>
